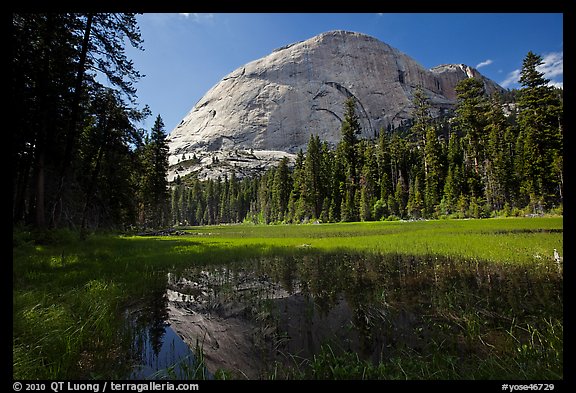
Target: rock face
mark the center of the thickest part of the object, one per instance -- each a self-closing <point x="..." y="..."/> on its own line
<point x="267" y="109"/>
<point x="450" y="74"/>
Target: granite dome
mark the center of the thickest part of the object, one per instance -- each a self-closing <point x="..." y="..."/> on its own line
<point x="268" y="108"/>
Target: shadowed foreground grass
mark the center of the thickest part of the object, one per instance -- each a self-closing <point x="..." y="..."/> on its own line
<point x="68" y="295"/>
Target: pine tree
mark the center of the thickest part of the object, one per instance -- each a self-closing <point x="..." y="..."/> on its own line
<point x="233" y="190"/>
<point x="107" y="165"/>
<point x="415" y="205"/>
<point x="199" y="202"/>
<point x="54" y="60"/>
<point x="498" y="169"/>
<point x="338" y="187"/>
<point x="311" y="192"/>
<point x="349" y="130"/>
<point x="471" y="122"/>
<point x="326" y="181"/>
<point x="43" y="73"/>
<point x="384" y="166"/>
<point x="433" y="174"/>
<point x="178" y="204"/>
<point x="400" y="197"/>
<point x="155" y="184"/>
<point x="453" y="185"/>
<point x="281" y="189"/>
<point x="369" y="191"/>
<point x="462" y="206"/>
<point x="540" y="121"/>
<point x="398" y="157"/>
<point x="294" y="210"/>
<point x="347" y="146"/>
<point x="224" y="213"/>
<point x="211" y="204"/>
<point x="422" y="122"/>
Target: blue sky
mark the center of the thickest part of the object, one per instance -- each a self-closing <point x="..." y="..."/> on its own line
<point x="186" y="54"/>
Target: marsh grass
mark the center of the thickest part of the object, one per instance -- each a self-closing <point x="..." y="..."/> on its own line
<point x="59" y="333"/>
<point x="68" y="295"/>
<point x="476" y="320"/>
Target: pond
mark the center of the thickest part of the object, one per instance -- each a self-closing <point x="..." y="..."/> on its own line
<point x="283" y="317"/>
<point x="158" y="351"/>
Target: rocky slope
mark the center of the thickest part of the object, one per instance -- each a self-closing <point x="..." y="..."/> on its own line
<point x="268" y="108"/>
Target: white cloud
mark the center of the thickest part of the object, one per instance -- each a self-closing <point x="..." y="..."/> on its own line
<point x="556" y="84"/>
<point x="484" y="63"/>
<point x="553" y="65"/>
<point x="196" y="17"/>
<point x="511" y="79"/>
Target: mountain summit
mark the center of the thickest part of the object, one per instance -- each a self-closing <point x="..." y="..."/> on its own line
<point x="268" y="108"/>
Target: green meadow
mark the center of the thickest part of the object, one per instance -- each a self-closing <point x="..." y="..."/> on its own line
<point x="507" y="240"/>
<point x="497" y="290"/>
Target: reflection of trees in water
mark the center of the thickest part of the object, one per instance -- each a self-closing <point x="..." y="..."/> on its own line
<point x="150" y="322"/>
<point x="393" y="302"/>
<point x="322" y="279"/>
<point x="287" y="267"/>
<point x="158" y="317"/>
<point x="360" y="290"/>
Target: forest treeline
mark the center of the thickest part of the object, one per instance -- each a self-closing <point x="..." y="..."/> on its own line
<point x="80" y="158"/>
<point x="478" y="161"/>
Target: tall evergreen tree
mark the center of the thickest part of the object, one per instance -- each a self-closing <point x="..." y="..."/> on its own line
<point x="498" y="168"/>
<point x="540" y="121"/>
<point x="281" y="190"/>
<point x="55" y="58"/>
<point x="294" y="202"/>
<point x="434" y="173"/>
<point x="453" y="185"/>
<point x="211" y="211"/>
<point x="338" y="187"/>
<point x="155" y="184"/>
<point x="384" y="166"/>
<point x="224" y="206"/>
<point x="107" y="163"/>
<point x="326" y="180"/>
<point x="422" y="122"/>
<point x="400" y="197"/>
<point x="312" y="190"/>
<point x="43" y="54"/>
<point x="415" y="204"/>
<point x="349" y="130"/>
<point x="471" y="122"/>
<point x="369" y="191"/>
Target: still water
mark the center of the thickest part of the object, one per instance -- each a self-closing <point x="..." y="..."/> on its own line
<point x="172" y="359"/>
<point x="158" y="352"/>
<point x="261" y="317"/>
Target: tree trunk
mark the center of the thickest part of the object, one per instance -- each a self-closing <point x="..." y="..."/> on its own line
<point x="91" y="187"/>
<point x="40" y="216"/>
<point x="74" y="113"/>
<point x="42" y="139"/>
<point x="20" y="190"/>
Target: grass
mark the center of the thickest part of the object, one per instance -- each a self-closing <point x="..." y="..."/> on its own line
<point x="68" y="294"/>
<point x="436" y="317"/>
<point x="514" y="240"/>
